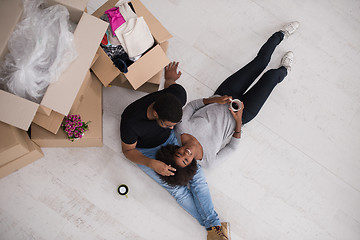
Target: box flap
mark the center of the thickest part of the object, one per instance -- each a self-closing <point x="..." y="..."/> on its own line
<point x="10" y="14"/>
<point x="147" y="66"/>
<point x="51" y="123"/>
<point x="78" y="4"/>
<point x="95" y="59"/>
<point x="44" y="110"/>
<point x="107" y="5"/>
<point x="75" y="8"/>
<point x="61" y="94"/>
<point x="156" y="28"/>
<point x="16" y="111"/>
<point x="157" y="78"/>
<point x="104" y="68"/>
<point x="146" y="87"/>
<point x="80" y="96"/>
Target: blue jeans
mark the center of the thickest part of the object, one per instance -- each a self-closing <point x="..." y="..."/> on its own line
<point x="194" y="198"/>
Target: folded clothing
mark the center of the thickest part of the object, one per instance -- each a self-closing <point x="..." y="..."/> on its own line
<point x="138" y="38"/>
<point x="134" y="35"/>
<point x="115" y="18"/>
<point x="110" y="39"/>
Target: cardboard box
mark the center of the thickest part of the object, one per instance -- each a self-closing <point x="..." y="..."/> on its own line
<point x="147" y="68"/>
<point x="34" y="154"/>
<point x="90" y="109"/>
<point x="59" y="97"/>
<point x="53" y="121"/>
<point x="14" y="143"/>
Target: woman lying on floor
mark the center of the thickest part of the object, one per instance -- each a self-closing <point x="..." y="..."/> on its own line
<point x="208" y="124"/>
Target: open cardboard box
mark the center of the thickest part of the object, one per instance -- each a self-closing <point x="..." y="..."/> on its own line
<point x="16" y="149"/>
<point x="148" y="68"/>
<point x="60" y="95"/>
<point x="53" y="120"/>
<point x="90" y="109"/>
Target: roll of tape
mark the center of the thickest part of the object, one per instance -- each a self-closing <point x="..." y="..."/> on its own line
<point x="123" y="190"/>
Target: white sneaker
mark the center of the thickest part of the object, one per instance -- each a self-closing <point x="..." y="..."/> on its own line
<point x="290" y="28"/>
<point x="287" y="60"/>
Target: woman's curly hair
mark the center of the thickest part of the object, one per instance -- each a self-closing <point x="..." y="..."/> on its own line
<point x="182" y="175"/>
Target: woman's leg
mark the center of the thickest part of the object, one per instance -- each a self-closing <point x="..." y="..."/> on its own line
<point x="181" y="193"/>
<point x="239" y="82"/>
<point x="255" y="98"/>
<point x="202" y="198"/>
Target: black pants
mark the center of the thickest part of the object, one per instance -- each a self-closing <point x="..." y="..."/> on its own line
<point x="237" y="84"/>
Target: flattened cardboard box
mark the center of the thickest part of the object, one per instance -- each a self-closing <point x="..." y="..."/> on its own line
<point x="14" y="143"/>
<point x="34" y="154"/>
<point x="59" y="97"/>
<point x="147" y="67"/>
<point x="90" y="109"/>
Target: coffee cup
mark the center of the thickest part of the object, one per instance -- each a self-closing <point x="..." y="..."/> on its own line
<point x="235" y="105"/>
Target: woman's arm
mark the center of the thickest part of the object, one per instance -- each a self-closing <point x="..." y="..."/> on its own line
<point x="223" y="154"/>
<point x="194" y="105"/>
<point x="191" y="108"/>
<point x="229" y="148"/>
<point x="218" y="99"/>
<point x="238" y="120"/>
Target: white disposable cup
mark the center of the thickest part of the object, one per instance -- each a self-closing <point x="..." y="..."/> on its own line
<point x="235" y="105"/>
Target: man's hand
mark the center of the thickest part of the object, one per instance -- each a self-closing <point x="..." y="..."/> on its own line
<point x="171" y="73"/>
<point x="162" y="169"/>
<point x="136" y="156"/>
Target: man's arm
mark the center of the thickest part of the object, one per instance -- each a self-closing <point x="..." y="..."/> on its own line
<point x="136" y="156"/>
<point x="171" y="74"/>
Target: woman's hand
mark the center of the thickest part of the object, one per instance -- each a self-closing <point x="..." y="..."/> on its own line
<point x="162" y="169"/>
<point x="238" y="119"/>
<point x="220" y="100"/>
<point x="238" y="115"/>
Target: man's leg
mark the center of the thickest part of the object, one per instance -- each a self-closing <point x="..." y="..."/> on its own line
<point x="240" y="81"/>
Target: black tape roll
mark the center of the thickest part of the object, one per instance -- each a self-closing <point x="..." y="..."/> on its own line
<point x="123" y="189"/>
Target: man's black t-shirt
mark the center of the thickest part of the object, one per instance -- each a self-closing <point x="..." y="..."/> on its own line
<point x="135" y="126"/>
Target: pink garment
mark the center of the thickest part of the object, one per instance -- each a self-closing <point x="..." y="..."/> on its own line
<point x="115" y="18"/>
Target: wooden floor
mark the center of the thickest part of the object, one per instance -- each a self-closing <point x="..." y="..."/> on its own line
<point x="296" y="175"/>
